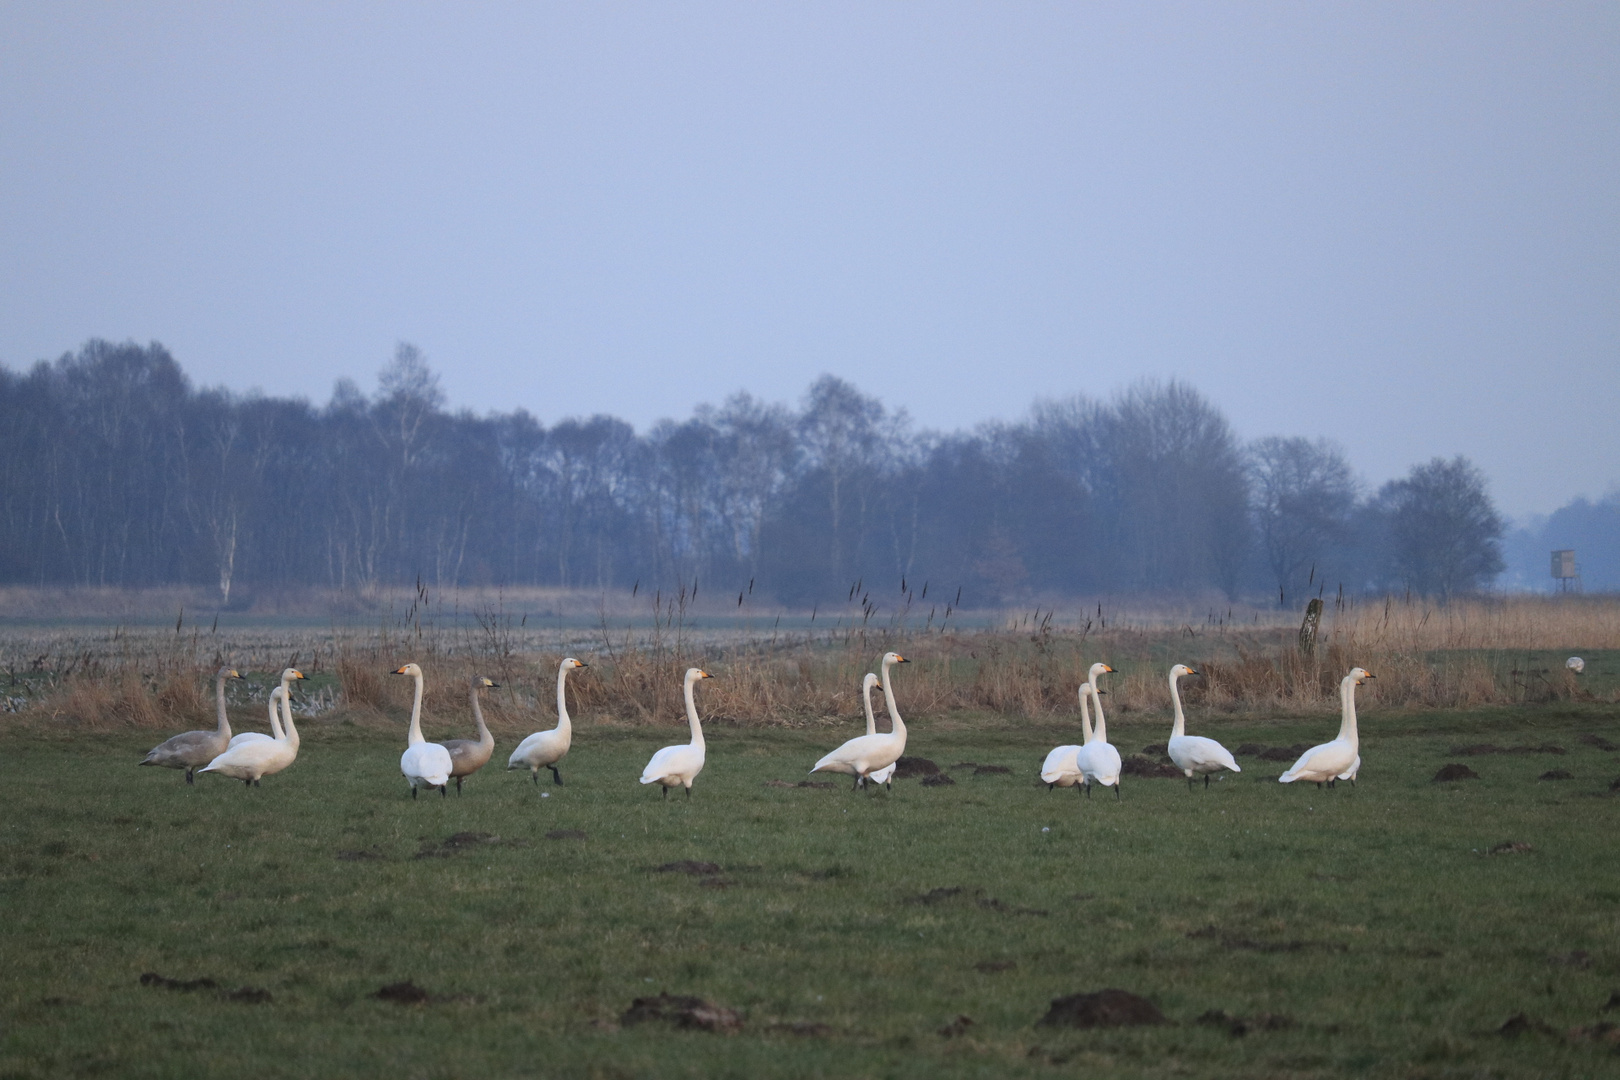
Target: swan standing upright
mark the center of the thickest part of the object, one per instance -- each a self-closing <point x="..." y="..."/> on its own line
<point x="1062" y="766"/>
<point x="250" y="761"/>
<point x="867" y="755"/>
<point x="1099" y="758"/>
<point x="1194" y="754"/>
<point x="680" y="764"/>
<point x="1340" y="758"/>
<point x="884" y="775"/>
<point x="467" y="756"/>
<point x="424" y="764"/>
<point x="287" y="677"/>
<point x="544" y="749"/>
<point x="194" y="749"/>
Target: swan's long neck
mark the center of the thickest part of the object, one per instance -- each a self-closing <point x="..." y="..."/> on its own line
<point x="888" y="697"/>
<point x="224" y="728"/>
<point x="866" y="700"/>
<point x="1102" y="721"/>
<point x="692" y="716"/>
<point x="291" y="731"/>
<point x="1085" y="713"/>
<point x="415" y="734"/>
<point x="564" y="724"/>
<point x="484" y="737"/>
<point x="275" y="718"/>
<point x="1347" y="712"/>
<point x="1180" y="727"/>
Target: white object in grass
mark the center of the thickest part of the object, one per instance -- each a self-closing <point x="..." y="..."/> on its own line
<point x="1194" y="755"/>
<point x="1575" y="664"/>
<point x="1341" y="757"/>
<point x="680" y="764"/>
<point x="424" y="764"/>
<point x="544" y="749"/>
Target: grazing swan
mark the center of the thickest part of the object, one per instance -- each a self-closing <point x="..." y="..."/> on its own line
<point x="287" y="677"/>
<point x="544" y="749"/>
<point x="1340" y="758"/>
<point x="250" y="761"/>
<point x="425" y="764"/>
<point x="1194" y="754"/>
<point x="866" y="755"/>
<point x="680" y="764"/>
<point x="1098" y="758"/>
<point x="467" y="756"/>
<point x="195" y="749"/>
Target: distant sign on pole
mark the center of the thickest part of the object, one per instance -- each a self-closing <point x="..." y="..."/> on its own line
<point x="1564" y="570"/>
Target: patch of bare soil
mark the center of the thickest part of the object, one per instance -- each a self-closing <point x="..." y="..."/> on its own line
<point x="1511" y="847"/>
<point x="989" y="903"/>
<point x="403" y="993"/>
<point x="780" y="783"/>
<point x="1601" y="1032"/>
<point x="1579" y="958"/>
<point x="1249" y="749"/>
<point x="1600" y="742"/>
<point x="1520" y="1024"/>
<point x="566" y="834"/>
<point x="936" y="896"/>
<point x="690" y="1013"/>
<point x="1137" y="765"/>
<point x="1283" y="753"/>
<point x="461" y="841"/>
<point x="957" y="1027"/>
<point x="1239" y="1026"/>
<point x="908" y="767"/>
<point x="990" y="770"/>
<point x="822" y="785"/>
<point x="807" y="1028"/>
<point x="938" y="780"/>
<point x="1454" y="772"/>
<point x="1228" y="940"/>
<point x="966" y="765"/>
<point x="246" y="995"/>
<point x="1157" y="750"/>
<point x="1557" y="774"/>
<point x="688" y="866"/>
<point x="991" y="967"/>
<point x="1481" y="749"/>
<point x="249" y="995"/>
<point x="1104" y="1008"/>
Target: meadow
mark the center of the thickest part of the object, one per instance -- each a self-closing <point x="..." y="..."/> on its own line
<point x="1401" y="927"/>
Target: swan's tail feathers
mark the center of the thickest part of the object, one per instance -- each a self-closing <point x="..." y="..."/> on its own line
<point x="1288" y="777"/>
<point x="646" y="778"/>
<point x="1235" y="767"/>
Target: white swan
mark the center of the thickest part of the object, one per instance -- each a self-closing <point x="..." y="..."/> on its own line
<point x="250" y="761"/>
<point x="425" y="764"/>
<point x="1062" y="766"/>
<point x="1099" y="759"/>
<point x="866" y="755"/>
<point x="194" y="749"/>
<point x="467" y="756"/>
<point x="1341" y="758"/>
<point x="544" y="749"/>
<point x="287" y="678"/>
<point x="1194" y="754"/>
<point x="680" y="764"/>
<point x="884" y="775"/>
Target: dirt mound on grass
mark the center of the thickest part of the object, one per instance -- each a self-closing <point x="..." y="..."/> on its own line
<point x="1104" y="1008"/>
<point x="1557" y="774"/>
<point x="1454" y="772"/>
<point x="908" y="767"/>
<point x="1239" y="1026"/>
<point x="1600" y="742"/>
<point x="690" y="1013"/>
<point x="938" y="780"/>
<point x="990" y="770"/>
<point x="1147" y="768"/>
<point x="403" y="993"/>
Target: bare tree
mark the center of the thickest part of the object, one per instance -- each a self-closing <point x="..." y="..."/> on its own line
<point x="1302" y="496"/>
<point x="1444" y="535"/>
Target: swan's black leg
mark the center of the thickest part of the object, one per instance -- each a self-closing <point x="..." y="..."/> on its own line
<point x="1319" y="785"/>
<point x="1206" y="781"/>
<point x="444" y="791"/>
<point x="1117" y="786"/>
<point x="856" y="786"/>
<point x="689" y="791"/>
<point x="666" y="792"/>
<point x="413" y="793"/>
<point x="534" y="774"/>
<point x="247" y="783"/>
<point x="1189" y="782"/>
<point x="458" y="785"/>
<point x="189" y="778"/>
<point x="556" y="777"/>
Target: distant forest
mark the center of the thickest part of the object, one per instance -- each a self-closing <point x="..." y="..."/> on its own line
<point x="117" y="471"/>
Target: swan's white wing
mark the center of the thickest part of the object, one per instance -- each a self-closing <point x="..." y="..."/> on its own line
<point x="1100" y="761"/>
<point x="854" y="755"/>
<point x="881" y="776"/>
<point x="1062" y="762"/>
<point x="1196" y="754"/>
<point x="677" y="762"/>
<point x="1350" y="773"/>
<point x="1322" y="762"/>
<point x="427" y="762"/>
<point x="250" y="737"/>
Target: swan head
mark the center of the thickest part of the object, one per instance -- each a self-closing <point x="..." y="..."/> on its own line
<point x="894" y="658"/>
<point x="408" y="669"/>
<point x="694" y="674"/>
<point x="1099" y="669"/>
<point x="569" y="664"/>
<point x="291" y="674"/>
<point x="1360" y="675"/>
<point x="480" y="682"/>
<point x="871" y="682"/>
<point x="228" y="673"/>
<point x="1181" y="669"/>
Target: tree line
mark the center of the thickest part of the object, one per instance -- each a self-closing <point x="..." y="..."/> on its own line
<point x="117" y="471"/>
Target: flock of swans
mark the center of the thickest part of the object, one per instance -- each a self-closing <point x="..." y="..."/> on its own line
<point x="870" y="758"/>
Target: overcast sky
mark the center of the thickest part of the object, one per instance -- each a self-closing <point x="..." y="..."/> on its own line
<point x="1395" y="225"/>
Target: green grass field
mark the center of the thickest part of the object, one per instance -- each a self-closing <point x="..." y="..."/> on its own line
<point x="1374" y="918"/>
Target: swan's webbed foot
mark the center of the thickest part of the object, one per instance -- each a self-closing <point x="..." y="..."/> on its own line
<point x="556" y="777"/>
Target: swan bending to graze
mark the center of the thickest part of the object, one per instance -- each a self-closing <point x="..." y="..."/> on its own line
<point x="544" y="749"/>
<point x="424" y="764"/>
<point x="866" y="755"/>
<point x="1341" y="758"/>
<point x="1099" y="759"/>
<point x="287" y="677"/>
<point x="250" y="761"/>
<point x="1194" y="754"/>
<point x="680" y="764"/>
<point x="194" y="749"/>
<point x="467" y="756"/>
